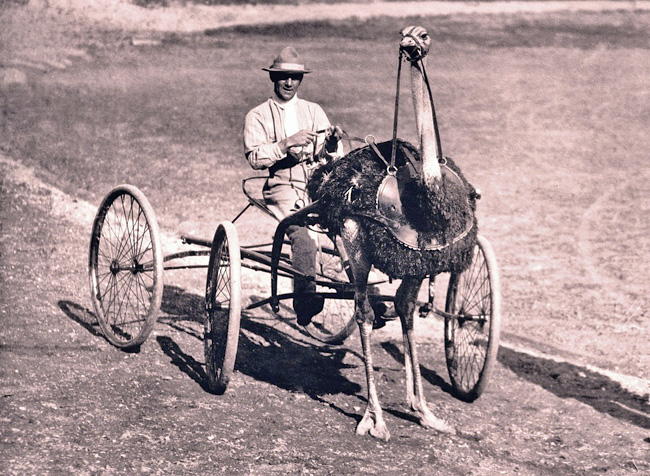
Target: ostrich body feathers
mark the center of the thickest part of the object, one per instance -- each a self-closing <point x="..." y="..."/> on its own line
<point x="348" y="188"/>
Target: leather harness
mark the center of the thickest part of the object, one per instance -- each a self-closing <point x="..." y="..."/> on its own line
<point x="389" y="211"/>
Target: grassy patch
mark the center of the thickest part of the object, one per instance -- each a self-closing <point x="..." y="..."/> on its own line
<point x="579" y="30"/>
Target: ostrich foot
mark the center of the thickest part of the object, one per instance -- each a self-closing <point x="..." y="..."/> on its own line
<point x="373" y="425"/>
<point x="429" y="420"/>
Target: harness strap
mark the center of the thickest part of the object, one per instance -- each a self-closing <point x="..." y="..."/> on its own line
<point x="412" y="160"/>
<point x="374" y="147"/>
<point x="399" y="73"/>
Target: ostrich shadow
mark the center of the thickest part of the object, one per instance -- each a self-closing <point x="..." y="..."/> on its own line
<point x="429" y="375"/>
<point x="567" y="380"/>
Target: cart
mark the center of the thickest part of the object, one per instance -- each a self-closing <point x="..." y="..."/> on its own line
<point x="126" y="280"/>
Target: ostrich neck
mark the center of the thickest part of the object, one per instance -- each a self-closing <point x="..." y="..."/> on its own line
<point x="424" y="124"/>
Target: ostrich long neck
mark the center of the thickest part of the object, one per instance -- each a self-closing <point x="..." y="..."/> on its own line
<point x="424" y="123"/>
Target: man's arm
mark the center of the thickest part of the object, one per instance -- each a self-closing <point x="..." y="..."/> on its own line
<point x="259" y="147"/>
<point x="261" y="152"/>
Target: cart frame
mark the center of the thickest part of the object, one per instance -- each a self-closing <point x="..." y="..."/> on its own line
<point x="126" y="267"/>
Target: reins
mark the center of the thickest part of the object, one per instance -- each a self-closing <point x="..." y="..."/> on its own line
<point x="391" y="169"/>
<point x="370" y="140"/>
<point x="399" y="75"/>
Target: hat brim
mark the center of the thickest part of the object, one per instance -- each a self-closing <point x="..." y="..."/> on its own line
<point x="288" y="70"/>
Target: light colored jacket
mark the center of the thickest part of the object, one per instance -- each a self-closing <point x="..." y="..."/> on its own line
<point x="288" y="173"/>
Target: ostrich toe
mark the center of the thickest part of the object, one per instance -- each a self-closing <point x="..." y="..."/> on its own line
<point x="429" y="420"/>
<point x="374" y="426"/>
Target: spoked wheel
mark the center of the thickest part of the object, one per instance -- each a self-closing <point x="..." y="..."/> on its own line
<point x="336" y="321"/>
<point x="125" y="267"/>
<point x="223" y="307"/>
<point x="472" y="323"/>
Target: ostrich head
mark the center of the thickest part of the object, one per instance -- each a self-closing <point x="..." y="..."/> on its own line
<point x="415" y="43"/>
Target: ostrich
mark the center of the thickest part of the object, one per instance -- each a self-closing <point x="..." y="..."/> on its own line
<point x="434" y="233"/>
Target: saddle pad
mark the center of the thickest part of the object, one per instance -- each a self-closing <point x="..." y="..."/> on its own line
<point x="389" y="209"/>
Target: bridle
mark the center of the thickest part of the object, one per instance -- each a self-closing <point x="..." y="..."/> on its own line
<point x="416" y="56"/>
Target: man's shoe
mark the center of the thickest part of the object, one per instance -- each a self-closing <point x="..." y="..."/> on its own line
<point x="307" y="305"/>
<point x="382" y="315"/>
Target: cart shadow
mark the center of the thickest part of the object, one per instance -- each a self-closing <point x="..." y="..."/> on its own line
<point x="88" y="320"/>
<point x="270" y="355"/>
<point x="265" y="352"/>
<point x="567" y="380"/>
<point x="181" y="305"/>
<point x="185" y="363"/>
<point x="274" y="357"/>
<point x="82" y="316"/>
<point x="182" y="310"/>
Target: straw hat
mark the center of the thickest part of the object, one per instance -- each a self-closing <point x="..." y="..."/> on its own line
<point x="288" y="61"/>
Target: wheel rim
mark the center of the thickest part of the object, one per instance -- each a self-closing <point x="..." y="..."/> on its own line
<point x="218" y="309"/>
<point x="332" y="324"/>
<point x="469" y="333"/>
<point x="222" y="311"/>
<point x="125" y="269"/>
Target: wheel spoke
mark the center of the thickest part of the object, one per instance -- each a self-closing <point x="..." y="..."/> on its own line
<point x="470" y="346"/>
<point x="126" y="267"/>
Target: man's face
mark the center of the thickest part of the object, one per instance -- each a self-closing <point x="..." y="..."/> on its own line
<point x="286" y="85"/>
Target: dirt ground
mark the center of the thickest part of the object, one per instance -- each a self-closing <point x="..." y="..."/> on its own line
<point x="546" y="114"/>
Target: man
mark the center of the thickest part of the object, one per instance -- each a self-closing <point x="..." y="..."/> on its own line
<point x="290" y="136"/>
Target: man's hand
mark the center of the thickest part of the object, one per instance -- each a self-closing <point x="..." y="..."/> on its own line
<point x="335" y="132"/>
<point x="332" y="138"/>
<point x="300" y="138"/>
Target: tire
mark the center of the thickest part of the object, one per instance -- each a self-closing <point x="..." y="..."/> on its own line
<point x="125" y="267"/>
<point x="472" y="326"/>
<point x="335" y="322"/>
<point x="223" y="308"/>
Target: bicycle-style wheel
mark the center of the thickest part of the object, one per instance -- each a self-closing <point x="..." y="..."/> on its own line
<point x="336" y="321"/>
<point x="472" y="323"/>
<point x="125" y="267"/>
<point x="223" y="307"/>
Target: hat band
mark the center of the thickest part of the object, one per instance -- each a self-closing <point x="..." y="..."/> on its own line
<point x="295" y="66"/>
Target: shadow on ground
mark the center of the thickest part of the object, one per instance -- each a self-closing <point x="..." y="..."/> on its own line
<point x="82" y="316"/>
<point x="265" y="352"/>
<point x="427" y="374"/>
<point x="182" y="310"/>
<point x="269" y="354"/>
<point x="567" y="380"/>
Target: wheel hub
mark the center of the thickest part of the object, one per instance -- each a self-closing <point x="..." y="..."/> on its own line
<point x="114" y="267"/>
<point x="136" y="267"/>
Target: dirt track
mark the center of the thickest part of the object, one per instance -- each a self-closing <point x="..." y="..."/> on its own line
<point x="73" y="404"/>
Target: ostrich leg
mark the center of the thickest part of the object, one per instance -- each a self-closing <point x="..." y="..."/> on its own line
<point x="405" y="307"/>
<point x="353" y="242"/>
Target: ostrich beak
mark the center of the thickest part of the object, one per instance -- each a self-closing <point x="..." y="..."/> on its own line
<point x="415" y="43"/>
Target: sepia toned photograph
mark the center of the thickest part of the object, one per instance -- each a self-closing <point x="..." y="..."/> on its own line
<point x="324" y="237"/>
